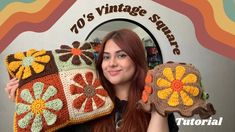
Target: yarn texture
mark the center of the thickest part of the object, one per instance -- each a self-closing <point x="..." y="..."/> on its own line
<point x="57" y="88"/>
<point x="175" y="87"/>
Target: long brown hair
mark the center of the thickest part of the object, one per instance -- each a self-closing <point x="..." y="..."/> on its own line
<point x="133" y="119"/>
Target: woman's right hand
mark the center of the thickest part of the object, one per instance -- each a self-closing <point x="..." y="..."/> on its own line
<point x="11" y="87"/>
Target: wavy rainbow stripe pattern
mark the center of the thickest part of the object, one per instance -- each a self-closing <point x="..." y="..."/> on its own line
<point x="17" y="16"/>
<point x="214" y="22"/>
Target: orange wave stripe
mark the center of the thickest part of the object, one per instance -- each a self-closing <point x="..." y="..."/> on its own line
<point x="15" y="7"/>
<point x="212" y="28"/>
<point x="36" y="27"/>
<point x="30" y="18"/>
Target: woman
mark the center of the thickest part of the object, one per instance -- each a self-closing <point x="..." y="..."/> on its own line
<point x="122" y="68"/>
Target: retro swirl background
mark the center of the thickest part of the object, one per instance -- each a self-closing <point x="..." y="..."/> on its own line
<point x="214" y="20"/>
<point x="17" y="16"/>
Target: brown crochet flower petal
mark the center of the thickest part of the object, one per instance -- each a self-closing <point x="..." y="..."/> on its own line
<point x="87" y="61"/>
<point x="76" y="52"/>
<point x="76" y="60"/>
<point x="65" y="47"/>
<point x="62" y="51"/>
<point x="76" y="44"/>
<point x="86" y="46"/>
<point x="65" y="57"/>
<point x="89" y="54"/>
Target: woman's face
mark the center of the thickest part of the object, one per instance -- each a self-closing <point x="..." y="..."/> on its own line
<point x="117" y="66"/>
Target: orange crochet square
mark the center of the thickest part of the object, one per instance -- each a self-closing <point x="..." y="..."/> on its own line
<point x="42" y="97"/>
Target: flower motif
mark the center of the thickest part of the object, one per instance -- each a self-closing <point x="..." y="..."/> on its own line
<point x="25" y="62"/>
<point x="147" y="89"/>
<point x="76" y="53"/>
<point x="91" y="93"/>
<point x="177" y="87"/>
<point x="38" y="107"/>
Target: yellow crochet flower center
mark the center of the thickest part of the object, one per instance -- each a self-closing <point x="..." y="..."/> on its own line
<point x="177" y="87"/>
<point x="38" y="106"/>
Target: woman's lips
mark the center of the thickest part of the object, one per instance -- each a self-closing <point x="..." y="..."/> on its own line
<point x="114" y="72"/>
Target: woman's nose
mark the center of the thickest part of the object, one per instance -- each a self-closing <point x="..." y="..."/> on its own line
<point x="113" y="62"/>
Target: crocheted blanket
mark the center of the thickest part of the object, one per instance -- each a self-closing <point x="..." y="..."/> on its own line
<point x="57" y="88"/>
<point x="175" y="87"/>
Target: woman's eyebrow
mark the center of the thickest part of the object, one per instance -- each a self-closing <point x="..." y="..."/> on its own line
<point x="106" y="53"/>
<point x="118" y="51"/>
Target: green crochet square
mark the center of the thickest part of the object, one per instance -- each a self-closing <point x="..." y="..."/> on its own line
<point x="66" y="66"/>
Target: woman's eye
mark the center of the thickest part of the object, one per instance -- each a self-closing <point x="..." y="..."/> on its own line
<point x="105" y="57"/>
<point x="122" y="56"/>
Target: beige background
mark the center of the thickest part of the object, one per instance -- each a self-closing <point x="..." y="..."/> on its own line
<point x="218" y="72"/>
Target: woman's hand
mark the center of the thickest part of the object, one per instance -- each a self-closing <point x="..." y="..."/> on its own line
<point x="11" y="87"/>
<point x="158" y="123"/>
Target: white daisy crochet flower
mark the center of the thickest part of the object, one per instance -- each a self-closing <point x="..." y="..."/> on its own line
<point x="37" y="107"/>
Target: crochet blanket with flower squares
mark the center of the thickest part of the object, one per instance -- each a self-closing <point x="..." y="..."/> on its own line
<point x="175" y="87"/>
<point x="57" y="88"/>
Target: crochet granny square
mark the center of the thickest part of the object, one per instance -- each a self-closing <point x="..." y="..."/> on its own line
<point x="57" y="88"/>
<point x="30" y="65"/>
<point x="175" y="87"/>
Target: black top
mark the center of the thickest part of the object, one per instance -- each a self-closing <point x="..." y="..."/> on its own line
<point x="120" y="106"/>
